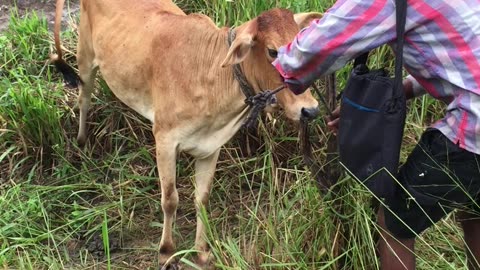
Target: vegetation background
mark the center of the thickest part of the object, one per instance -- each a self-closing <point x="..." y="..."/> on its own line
<point x="64" y="207"/>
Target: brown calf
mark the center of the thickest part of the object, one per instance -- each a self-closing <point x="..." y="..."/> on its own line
<point x="175" y="70"/>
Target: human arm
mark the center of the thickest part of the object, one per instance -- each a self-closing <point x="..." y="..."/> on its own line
<point x="348" y="29"/>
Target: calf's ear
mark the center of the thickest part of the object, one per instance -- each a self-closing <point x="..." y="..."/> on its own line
<point x="242" y="44"/>
<point x="304" y="19"/>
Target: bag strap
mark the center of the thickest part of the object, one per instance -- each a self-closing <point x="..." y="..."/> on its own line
<point x="401" y="18"/>
<point x="401" y="14"/>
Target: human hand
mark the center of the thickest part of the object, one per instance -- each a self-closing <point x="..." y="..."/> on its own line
<point x="412" y="87"/>
<point x="408" y="88"/>
<point x="294" y="86"/>
<point x="334" y="120"/>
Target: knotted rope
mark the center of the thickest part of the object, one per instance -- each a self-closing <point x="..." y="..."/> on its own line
<point x="256" y="102"/>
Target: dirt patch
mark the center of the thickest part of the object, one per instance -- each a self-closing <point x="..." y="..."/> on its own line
<point x="43" y="8"/>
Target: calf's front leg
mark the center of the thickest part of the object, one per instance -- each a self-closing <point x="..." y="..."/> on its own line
<point x="204" y="170"/>
<point x="166" y="158"/>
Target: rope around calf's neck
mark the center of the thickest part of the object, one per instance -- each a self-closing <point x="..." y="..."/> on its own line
<point x="258" y="103"/>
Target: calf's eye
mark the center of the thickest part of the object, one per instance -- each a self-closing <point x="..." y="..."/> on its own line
<point x="273" y="53"/>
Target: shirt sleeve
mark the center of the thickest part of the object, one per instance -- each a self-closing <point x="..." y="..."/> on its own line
<point x="348" y="29"/>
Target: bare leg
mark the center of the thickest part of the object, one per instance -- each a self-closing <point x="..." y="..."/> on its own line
<point x="204" y="170"/>
<point x="471" y="228"/>
<point x="395" y="254"/>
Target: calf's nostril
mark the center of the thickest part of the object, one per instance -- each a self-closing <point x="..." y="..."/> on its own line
<point x="310" y="113"/>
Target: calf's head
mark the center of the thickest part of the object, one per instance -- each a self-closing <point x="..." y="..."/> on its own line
<point x="255" y="48"/>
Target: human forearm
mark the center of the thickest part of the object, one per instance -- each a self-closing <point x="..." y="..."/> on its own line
<point x="328" y="44"/>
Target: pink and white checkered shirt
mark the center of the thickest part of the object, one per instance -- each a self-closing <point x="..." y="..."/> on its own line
<point x="442" y="52"/>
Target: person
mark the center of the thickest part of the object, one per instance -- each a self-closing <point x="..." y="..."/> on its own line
<point x="442" y="57"/>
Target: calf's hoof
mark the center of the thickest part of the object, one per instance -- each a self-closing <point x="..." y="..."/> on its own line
<point x="204" y="260"/>
<point x="165" y="259"/>
<point x="81" y="140"/>
<point x="170" y="266"/>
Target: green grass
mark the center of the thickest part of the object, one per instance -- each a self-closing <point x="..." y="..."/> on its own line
<point x="99" y="207"/>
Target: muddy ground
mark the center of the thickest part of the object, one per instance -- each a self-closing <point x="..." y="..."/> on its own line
<point x="44" y="8"/>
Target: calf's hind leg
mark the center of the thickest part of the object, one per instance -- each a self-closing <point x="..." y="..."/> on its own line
<point x="87" y="72"/>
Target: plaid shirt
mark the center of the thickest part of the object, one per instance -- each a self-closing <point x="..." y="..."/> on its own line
<point x="442" y="53"/>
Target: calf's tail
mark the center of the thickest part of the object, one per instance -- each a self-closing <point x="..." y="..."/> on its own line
<point x="69" y="75"/>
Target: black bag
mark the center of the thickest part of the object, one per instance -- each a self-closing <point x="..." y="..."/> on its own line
<point x="372" y="118"/>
